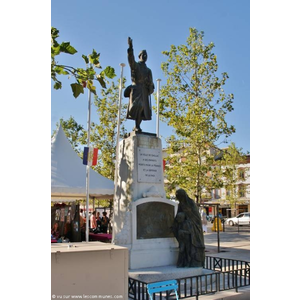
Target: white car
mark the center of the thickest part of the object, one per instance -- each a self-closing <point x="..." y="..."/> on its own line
<point x="241" y="219"/>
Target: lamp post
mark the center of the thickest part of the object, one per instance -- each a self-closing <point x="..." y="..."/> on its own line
<point x="157" y="111"/>
<point x="218" y="228"/>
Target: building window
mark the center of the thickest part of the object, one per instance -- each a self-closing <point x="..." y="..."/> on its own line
<point x="242" y="190"/>
<point x="241" y="174"/>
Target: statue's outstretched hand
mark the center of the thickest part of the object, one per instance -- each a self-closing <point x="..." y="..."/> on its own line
<point x="130" y="42"/>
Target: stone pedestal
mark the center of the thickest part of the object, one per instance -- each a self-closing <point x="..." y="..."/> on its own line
<point x="142" y="214"/>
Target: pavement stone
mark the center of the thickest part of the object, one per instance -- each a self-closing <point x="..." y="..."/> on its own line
<point x="242" y="294"/>
<point x="233" y="245"/>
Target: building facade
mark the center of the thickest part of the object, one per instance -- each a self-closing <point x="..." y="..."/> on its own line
<point x="234" y="202"/>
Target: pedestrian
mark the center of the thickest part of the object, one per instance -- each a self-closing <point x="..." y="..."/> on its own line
<point x="98" y="220"/>
<point x="55" y="235"/>
<point x="104" y="222"/>
<point x="204" y="221"/>
<point x="93" y="220"/>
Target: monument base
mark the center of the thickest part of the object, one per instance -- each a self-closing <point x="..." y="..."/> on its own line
<point x="143" y="216"/>
<point x="141" y="230"/>
<point x="153" y="253"/>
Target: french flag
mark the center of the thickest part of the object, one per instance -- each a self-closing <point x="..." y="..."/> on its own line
<point x="90" y="156"/>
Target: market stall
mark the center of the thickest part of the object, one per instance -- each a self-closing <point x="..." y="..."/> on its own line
<point x="68" y="183"/>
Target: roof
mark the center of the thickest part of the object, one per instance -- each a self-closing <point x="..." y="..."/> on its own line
<point x="68" y="174"/>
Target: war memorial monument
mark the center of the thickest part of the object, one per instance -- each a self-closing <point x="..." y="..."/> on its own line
<point x="164" y="238"/>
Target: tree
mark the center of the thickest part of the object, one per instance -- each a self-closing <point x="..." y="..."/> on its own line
<point x="75" y="133"/>
<point x="83" y="77"/>
<point x="195" y="104"/>
<point x="103" y="135"/>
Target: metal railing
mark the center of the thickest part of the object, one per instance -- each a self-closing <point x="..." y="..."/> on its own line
<point x="225" y="264"/>
<point x="226" y="274"/>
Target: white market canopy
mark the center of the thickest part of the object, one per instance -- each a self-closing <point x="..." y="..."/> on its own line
<point x="68" y="174"/>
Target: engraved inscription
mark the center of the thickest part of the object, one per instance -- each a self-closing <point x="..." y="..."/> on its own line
<point x="149" y="165"/>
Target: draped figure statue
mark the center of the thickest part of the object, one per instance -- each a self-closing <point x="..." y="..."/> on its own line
<point x="187" y="228"/>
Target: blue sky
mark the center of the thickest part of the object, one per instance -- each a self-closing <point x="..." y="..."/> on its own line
<point x="155" y="25"/>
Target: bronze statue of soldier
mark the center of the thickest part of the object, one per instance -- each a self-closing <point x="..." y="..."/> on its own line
<point x="139" y="92"/>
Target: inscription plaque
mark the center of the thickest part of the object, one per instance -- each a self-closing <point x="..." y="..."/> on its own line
<point x="149" y="165"/>
<point x="154" y="220"/>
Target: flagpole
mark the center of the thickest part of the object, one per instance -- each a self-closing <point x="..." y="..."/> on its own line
<point x="118" y="136"/>
<point x="88" y="168"/>
<point x="157" y="114"/>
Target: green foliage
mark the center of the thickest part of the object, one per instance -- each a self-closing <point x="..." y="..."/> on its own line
<point x="57" y="48"/>
<point x="83" y="77"/>
<point x="75" y="133"/>
<point x="109" y="72"/>
<point x="102" y="135"/>
<point x="103" y="203"/>
<point x="77" y="89"/>
<point x="94" y="58"/>
<point x="195" y="104"/>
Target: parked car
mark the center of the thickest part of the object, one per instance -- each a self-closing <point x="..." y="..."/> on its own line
<point x="241" y="219"/>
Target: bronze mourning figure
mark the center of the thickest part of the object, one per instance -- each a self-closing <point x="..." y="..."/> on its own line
<point x="139" y="106"/>
<point x="187" y="228"/>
